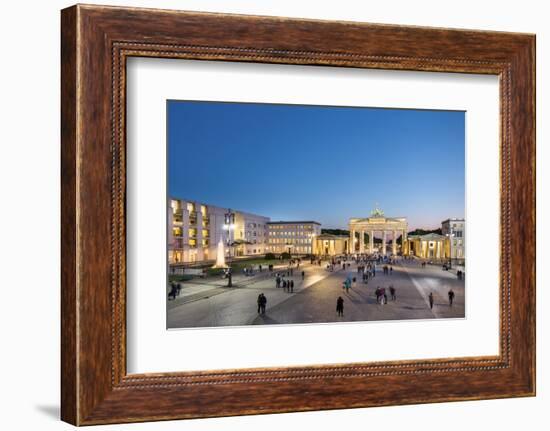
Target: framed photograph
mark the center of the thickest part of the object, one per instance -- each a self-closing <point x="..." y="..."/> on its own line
<point x="267" y="215"/>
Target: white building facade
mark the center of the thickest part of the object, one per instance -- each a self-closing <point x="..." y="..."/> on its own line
<point x="295" y="237"/>
<point x="195" y="228"/>
<point x="455" y="230"/>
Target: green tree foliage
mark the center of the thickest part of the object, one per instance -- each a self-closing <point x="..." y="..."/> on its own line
<point x="335" y="232"/>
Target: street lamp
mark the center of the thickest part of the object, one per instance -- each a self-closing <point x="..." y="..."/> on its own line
<point x="229" y="225"/>
<point x="289" y="245"/>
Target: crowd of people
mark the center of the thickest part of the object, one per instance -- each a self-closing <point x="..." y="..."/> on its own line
<point x="286" y="285"/>
<point x="367" y="267"/>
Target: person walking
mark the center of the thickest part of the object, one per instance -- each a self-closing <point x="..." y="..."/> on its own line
<point x="291" y="286"/>
<point x="392" y="293"/>
<point x="173" y="291"/>
<point x="263" y="303"/>
<point x="303" y="275"/>
<point x="340" y="306"/>
<point x="260" y="303"/>
<point x="431" y="299"/>
<point x="451" y="297"/>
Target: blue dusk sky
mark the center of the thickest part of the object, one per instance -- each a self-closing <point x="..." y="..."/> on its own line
<point x="328" y="164"/>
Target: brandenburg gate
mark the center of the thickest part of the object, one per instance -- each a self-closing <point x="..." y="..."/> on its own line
<point x="377" y="222"/>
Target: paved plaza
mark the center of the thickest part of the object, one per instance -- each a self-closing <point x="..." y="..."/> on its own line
<point x="208" y="302"/>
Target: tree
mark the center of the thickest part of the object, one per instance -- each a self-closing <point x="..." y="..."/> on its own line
<point x="269" y="256"/>
<point x="424" y="231"/>
<point x="335" y="232"/>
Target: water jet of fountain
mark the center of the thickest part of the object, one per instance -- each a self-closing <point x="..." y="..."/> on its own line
<point x="220" y="256"/>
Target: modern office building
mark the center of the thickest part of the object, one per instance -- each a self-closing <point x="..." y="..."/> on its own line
<point x="295" y="237"/>
<point x="195" y="229"/>
<point x="454" y="229"/>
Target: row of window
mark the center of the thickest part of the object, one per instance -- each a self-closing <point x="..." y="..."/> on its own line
<point x="191" y="207"/>
<point x="289" y="241"/>
<point x="253" y="233"/>
<point x="256" y="225"/>
<point x="193" y="242"/>
<point x="177" y="231"/>
<point x="280" y="249"/>
<point x="456" y="243"/>
<point x="290" y="233"/>
<point x="295" y="227"/>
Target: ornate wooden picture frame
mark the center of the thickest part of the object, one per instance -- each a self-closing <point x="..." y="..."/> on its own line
<point x="96" y="42"/>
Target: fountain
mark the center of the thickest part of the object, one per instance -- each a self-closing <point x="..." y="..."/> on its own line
<point x="220" y="256"/>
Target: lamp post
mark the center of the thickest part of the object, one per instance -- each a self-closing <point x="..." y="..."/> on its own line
<point x="289" y="245"/>
<point x="229" y="225"/>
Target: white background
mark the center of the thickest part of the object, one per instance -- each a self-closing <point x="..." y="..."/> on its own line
<point x="29" y="220"/>
<point x="153" y="349"/>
